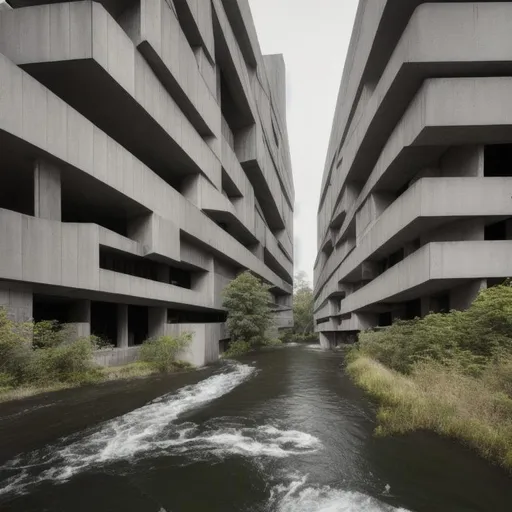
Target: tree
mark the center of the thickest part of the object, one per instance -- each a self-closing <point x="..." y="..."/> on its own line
<point x="247" y="301"/>
<point x="303" y="306"/>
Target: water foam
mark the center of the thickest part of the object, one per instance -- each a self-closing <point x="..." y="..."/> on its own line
<point x="297" y="496"/>
<point x="138" y="433"/>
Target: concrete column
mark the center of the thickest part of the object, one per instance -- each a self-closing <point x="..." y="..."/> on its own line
<point x="463" y="296"/>
<point x="47" y="191"/>
<point x="122" y="326"/>
<point x="17" y="300"/>
<point x="157" y="318"/>
<point x="80" y="318"/>
<point x="325" y="342"/>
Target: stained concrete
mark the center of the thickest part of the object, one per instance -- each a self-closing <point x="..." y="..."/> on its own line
<point x="142" y="191"/>
<point x="409" y="199"/>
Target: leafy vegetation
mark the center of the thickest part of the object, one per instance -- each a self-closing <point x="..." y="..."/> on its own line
<point x="43" y="356"/>
<point x="247" y="300"/>
<point x="161" y="352"/>
<point x="303" y="330"/>
<point x="449" y="373"/>
<point x="36" y="354"/>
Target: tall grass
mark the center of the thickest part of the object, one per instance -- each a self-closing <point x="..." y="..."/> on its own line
<point x="433" y="397"/>
<point x="450" y="374"/>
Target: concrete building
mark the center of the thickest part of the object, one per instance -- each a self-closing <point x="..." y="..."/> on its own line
<point x="144" y="162"/>
<point x="416" y="203"/>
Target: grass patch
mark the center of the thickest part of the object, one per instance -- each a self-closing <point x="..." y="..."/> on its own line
<point x="436" y="398"/>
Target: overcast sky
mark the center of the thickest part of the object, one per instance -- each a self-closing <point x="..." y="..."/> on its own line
<point x="314" y="38"/>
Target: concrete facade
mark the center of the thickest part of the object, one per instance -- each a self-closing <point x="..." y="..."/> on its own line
<point x="144" y="163"/>
<point x="415" y="214"/>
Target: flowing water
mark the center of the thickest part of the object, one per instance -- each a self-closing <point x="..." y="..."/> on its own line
<point x="283" y="430"/>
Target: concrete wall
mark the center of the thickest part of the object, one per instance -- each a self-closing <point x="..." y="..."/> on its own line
<point x="410" y="140"/>
<point x="136" y="163"/>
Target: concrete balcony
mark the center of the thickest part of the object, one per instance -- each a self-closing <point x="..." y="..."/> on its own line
<point x="438" y="118"/>
<point x="429" y="203"/>
<point x="435" y="267"/>
<point x="438" y="37"/>
<point x="72" y="44"/>
<point x="92" y="160"/>
<point x="155" y="30"/>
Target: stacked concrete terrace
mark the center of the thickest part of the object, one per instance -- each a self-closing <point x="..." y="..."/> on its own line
<point x="144" y="163"/>
<point x="416" y="204"/>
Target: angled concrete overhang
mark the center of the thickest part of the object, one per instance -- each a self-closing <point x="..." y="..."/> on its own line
<point x="426" y="205"/>
<point x="434" y="267"/>
<point x="455" y="39"/>
<point x="81" y="53"/>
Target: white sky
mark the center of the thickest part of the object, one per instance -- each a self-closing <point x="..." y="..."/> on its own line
<point x="314" y="38"/>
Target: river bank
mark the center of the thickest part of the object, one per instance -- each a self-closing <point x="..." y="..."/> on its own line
<point x="447" y="373"/>
<point x="279" y="430"/>
<point x="440" y="400"/>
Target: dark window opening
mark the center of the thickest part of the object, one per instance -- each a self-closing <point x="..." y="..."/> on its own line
<point x="413" y="309"/>
<point x="192" y="317"/>
<point x="322" y="321"/>
<point x="104" y="321"/>
<point x="17" y="189"/>
<point x="440" y="303"/>
<point x="137" y="325"/>
<point x="385" y="319"/>
<point x="391" y="260"/>
<point x="497" y="231"/>
<point x="146" y="269"/>
<point x="51" y="308"/>
<point x="498" y="160"/>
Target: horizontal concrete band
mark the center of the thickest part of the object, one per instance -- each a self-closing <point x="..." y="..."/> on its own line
<point x="437" y="261"/>
<point x="445" y="112"/>
<point x="102" y="41"/>
<point x="465" y="38"/>
<point x="428" y="203"/>
<point x="35" y="116"/>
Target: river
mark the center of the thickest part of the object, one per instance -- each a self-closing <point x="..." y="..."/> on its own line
<point x="283" y="430"/>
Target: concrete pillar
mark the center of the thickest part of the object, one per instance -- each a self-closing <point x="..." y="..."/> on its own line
<point x="47" y="191"/>
<point x="17" y="300"/>
<point x="80" y="318"/>
<point x="122" y="326"/>
<point x="325" y="342"/>
<point x="157" y="318"/>
<point x="463" y="296"/>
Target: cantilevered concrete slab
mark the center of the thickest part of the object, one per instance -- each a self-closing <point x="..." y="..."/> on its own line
<point x="126" y="202"/>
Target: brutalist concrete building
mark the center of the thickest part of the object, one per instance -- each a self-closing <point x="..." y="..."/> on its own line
<point x="416" y="202"/>
<point x="144" y="162"/>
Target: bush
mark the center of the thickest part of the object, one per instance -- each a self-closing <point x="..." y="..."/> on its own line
<point x="161" y="352"/>
<point x="71" y="363"/>
<point x="15" y="348"/>
<point x="247" y="301"/>
<point x="237" y="348"/>
<point x="449" y="373"/>
<point x="468" y="340"/>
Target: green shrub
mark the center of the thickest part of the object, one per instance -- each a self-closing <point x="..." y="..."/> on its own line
<point x="467" y="340"/>
<point x="247" y="301"/>
<point x="15" y="347"/>
<point x="237" y="348"/>
<point x="161" y="352"/>
<point x="71" y="363"/>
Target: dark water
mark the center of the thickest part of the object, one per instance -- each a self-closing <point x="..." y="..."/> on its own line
<point x="283" y="430"/>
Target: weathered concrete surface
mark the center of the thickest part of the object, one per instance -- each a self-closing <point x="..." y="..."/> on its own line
<point x="413" y="208"/>
<point x="130" y="132"/>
